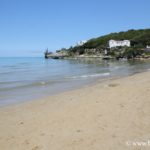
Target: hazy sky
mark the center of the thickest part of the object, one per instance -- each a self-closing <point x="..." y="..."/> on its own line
<point x="27" y="27"/>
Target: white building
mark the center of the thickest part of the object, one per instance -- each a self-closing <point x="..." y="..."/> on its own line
<point x="80" y="43"/>
<point x="114" y="43"/>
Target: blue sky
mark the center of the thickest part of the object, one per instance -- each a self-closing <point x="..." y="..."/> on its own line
<point x="27" y="27"/>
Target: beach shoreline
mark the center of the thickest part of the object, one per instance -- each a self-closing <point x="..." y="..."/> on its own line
<point x="102" y="115"/>
<point x="92" y="83"/>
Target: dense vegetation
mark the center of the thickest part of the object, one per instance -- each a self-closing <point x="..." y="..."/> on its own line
<point x="139" y="39"/>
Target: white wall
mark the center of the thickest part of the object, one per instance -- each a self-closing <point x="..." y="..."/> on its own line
<point x="113" y="43"/>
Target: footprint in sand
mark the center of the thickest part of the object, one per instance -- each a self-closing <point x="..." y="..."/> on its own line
<point x="35" y="148"/>
<point x="26" y="142"/>
<point x="114" y="136"/>
<point x="78" y="131"/>
<point x="113" y="85"/>
<point x="121" y="105"/>
<point x="100" y="115"/>
<point x="21" y="123"/>
<point x="42" y="134"/>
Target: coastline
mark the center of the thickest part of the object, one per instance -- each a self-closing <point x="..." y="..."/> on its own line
<point x="103" y="115"/>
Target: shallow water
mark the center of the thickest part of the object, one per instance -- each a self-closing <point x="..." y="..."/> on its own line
<point x="23" y="79"/>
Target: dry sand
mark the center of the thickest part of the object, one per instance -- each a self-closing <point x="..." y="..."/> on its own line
<point x="103" y="116"/>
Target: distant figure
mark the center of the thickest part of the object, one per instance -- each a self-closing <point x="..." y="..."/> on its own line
<point x="105" y="51"/>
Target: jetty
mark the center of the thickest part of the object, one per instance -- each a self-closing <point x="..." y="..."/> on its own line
<point x="54" y="55"/>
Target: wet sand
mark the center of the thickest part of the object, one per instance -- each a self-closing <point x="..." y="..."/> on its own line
<point x="103" y="116"/>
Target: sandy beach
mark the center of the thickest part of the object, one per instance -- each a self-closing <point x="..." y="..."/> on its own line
<point x="103" y="116"/>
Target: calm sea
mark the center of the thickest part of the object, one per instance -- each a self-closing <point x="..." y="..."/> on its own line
<point x="23" y="79"/>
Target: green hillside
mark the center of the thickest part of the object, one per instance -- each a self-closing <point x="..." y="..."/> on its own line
<point x="139" y="39"/>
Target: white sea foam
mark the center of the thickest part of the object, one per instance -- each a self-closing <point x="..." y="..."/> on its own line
<point x="91" y="75"/>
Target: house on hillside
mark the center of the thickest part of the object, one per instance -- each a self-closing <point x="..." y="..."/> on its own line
<point x="114" y="43"/>
<point x="80" y="43"/>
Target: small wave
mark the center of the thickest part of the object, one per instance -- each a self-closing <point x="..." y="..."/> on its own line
<point x="25" y="85"/>
<point x="91" y="75"/>
<point x="7" y="72"/>
<point x="116" y="67"/>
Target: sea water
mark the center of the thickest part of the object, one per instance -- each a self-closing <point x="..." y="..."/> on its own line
<point x="24" y="79"/>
